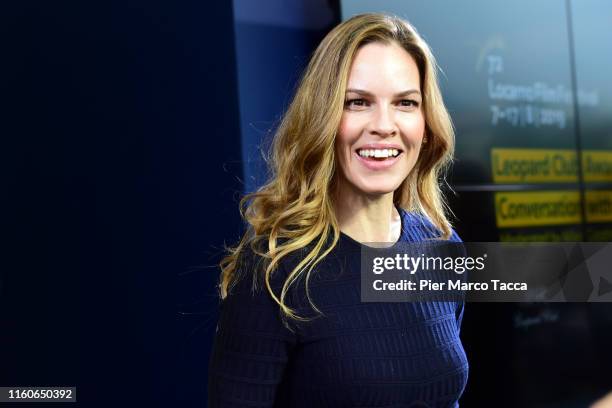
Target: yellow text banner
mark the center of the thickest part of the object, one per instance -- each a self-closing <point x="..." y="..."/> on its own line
<point x="537" y="208"/>
<point x="549" y="165"/>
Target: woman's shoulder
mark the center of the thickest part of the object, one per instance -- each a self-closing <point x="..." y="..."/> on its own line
<point x="418" y="227"/>
<point x="250" y="271"/>
<point x="248" y="310"/>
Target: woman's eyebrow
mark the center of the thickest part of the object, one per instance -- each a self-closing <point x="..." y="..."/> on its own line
<point x="397" y="95"/>
<point x="408" y="92"/>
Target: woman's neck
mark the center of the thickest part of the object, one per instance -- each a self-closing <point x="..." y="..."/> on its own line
<point x="368" y="218"/>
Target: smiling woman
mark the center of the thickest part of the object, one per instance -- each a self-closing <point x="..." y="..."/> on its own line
<point x="357" y="159"/>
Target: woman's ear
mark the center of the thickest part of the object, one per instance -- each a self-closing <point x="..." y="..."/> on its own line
<point x="425" y="136"/>
<point x="426" y="132"/>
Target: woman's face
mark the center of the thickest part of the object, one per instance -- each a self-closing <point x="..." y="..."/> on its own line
<point x="382" y="126"/>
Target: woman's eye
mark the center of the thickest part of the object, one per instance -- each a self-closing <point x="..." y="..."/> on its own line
<point x="358" y="103"/>
<point x="409" y="102"/>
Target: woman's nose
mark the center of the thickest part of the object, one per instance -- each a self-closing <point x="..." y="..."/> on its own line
<point x="383" y="123"/>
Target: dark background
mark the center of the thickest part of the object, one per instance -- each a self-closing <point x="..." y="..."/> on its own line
<point x="120" y="164"/>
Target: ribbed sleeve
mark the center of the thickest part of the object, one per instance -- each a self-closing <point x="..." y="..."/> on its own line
<point x="251" y="348"/>
<point x="353" y="355"/>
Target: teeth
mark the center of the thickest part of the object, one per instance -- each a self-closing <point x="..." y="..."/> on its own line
<point x="379" y="153"/>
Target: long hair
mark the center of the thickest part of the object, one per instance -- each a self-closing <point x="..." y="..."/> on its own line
<point x="294" y="210"/>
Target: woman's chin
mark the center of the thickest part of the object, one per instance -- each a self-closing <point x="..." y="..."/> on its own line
<point x="377" y="189"/>
<point x="371" y="184"/>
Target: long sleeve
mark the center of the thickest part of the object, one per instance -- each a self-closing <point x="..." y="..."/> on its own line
<point x="250" y="350"/>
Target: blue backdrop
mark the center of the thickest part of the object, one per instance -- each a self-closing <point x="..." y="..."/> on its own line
<point x="120" y="163"/>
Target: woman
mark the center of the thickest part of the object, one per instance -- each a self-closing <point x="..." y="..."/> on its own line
<point x="356" y="159"/>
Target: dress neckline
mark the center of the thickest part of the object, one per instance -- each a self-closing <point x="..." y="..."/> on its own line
<point x="354" y="242"/>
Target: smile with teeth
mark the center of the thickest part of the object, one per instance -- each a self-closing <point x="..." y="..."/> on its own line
<point x="378" y="153"/>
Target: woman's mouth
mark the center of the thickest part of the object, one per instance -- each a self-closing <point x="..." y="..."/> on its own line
<point x="378" y="154"/>
<point x="378" y="159"/>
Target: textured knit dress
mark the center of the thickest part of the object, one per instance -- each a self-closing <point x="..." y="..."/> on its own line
<point x="355" y="355"/>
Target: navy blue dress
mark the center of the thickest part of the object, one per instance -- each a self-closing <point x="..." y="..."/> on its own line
<point x="355" y="355"/>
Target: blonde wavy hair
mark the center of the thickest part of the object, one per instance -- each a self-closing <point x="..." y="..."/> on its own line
<point x="294" y="210"/>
